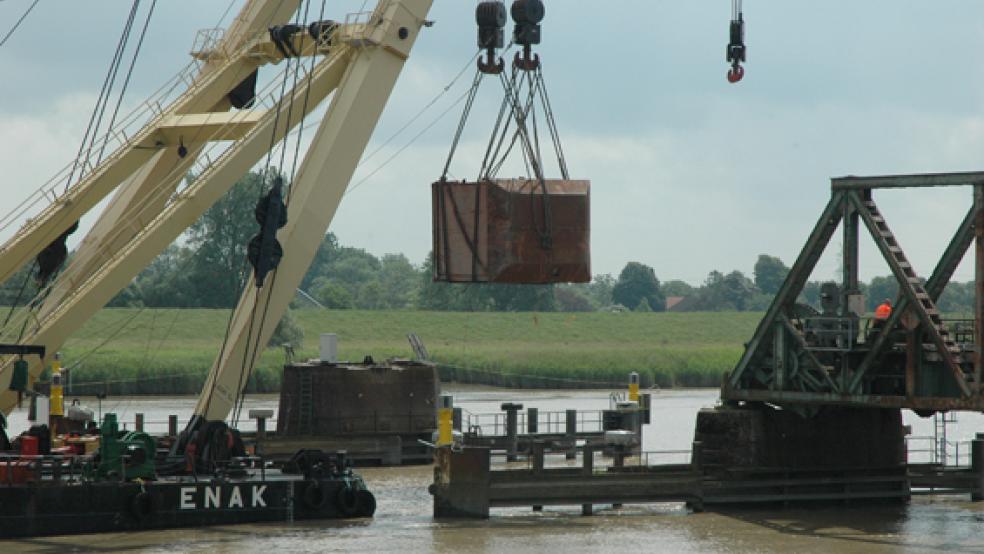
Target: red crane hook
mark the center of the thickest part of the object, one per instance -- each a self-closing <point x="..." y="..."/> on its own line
<point x="735" y="73"/>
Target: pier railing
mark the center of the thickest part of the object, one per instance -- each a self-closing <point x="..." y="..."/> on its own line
<point x="927" y="449"/>
<point x="552" y="421"/>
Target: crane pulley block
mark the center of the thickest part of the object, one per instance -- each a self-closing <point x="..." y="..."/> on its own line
<point x="492" y="231"/>
<point x="491" y="19"/>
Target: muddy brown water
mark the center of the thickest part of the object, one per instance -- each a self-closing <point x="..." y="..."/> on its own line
<point x="403" y="521"/>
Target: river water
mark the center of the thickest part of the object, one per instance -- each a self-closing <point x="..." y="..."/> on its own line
<point x="403" y="521"/>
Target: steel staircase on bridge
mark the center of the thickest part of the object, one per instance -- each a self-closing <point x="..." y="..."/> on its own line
<point x="941" y="347"/>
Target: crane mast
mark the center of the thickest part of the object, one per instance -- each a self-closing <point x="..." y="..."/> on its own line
<point x="357" y="63"/>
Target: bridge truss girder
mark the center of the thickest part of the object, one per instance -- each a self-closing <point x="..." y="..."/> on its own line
<point x="915" y="360"/>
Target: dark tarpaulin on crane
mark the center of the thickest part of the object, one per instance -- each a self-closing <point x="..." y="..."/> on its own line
<point x="494" y="231"/>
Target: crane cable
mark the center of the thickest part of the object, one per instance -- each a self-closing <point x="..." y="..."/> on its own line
<point x="99" y="109"/>
<point x="293" y="172"/>
<point x="249" y="359"/>
<point x="126" y="81"/>
<point x="17" y="24"/>
<point x="50" y="262"/>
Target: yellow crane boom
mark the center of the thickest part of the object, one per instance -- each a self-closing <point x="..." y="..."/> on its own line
<point x="358" y="67"/>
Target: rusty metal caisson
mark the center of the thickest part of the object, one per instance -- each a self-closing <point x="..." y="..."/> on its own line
<point x="512" y="231"/>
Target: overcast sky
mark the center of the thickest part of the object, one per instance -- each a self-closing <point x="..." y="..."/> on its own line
<point x="689" y="173"/>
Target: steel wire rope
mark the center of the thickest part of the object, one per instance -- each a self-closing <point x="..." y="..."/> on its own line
<point x="126" y="81"/>
<point x="17" y="24"/>
<point x="264" y="173"/>
<point x="172" y="173"/>
<point x="514" y="114"/>
<point x="469" y="103"/>
<point x="119" y="102"/>
<point x="153" y="194"/>
<point x="290" y="191"/>
<point x="100" y="107"/>
<point x="95" y="119"/>
<point x="166" y="179"/>
<point x="176" y="79"/>
<point x="544" y="234"/>
<point x="552" y="124"/>
<point x="492" y="153"/>
<point x="409" y="143"/>
<point x="158" y="189"/>
<point x="48" y="188"/>
<point x="166" y="190"/>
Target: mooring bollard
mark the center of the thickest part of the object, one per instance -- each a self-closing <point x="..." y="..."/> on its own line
<point x="512" y="429"/>
<point x="445" y="421"/>
<point x="139" y="423"/>
<point x="645" y="405"/>
<point x="570" y="434"/>
<point x="260" y="416"/>
<point x="634" y="387"/>
<point x="587" y="468"/>
<point x="977" y="465"/>
<point x="531" y="420"/>
<point x="456" y="419"/>
<point x="538" y="450"/>
<point x="172" y="425"/>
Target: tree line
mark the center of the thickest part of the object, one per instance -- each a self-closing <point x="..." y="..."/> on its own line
<point x="207" y="269"/>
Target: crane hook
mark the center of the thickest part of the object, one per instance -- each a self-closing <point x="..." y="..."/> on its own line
<point x="736" y="51"/>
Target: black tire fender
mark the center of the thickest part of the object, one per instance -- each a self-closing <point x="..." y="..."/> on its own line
<point x="366" y="502"/>
<point x="314" y="495"/>
<point x="347" y="501"/>
<point x="142" y="506"/>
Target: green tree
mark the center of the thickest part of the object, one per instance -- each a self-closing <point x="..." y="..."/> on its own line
<point x="643" y="305"/>
<point x="431" y="295"/>
<point x="769" y="273"/>
<point x="219" y="239"/>
<point x="636" y="282"/>
<point x="288" y="331"/>
<point x="399" y="281"/>
<point x="573" y="298"/>
<point x="599" y="290"/>
<point x="332" y="295"/>
<point x="677" y="287"/>
<point x="722" y="292"/>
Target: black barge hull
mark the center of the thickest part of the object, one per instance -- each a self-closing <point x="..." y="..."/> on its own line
<point x="41" y="509"/>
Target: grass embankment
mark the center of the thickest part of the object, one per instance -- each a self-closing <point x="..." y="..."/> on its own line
<point x="169" y="351"/>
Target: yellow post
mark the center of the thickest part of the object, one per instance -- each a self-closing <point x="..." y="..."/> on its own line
<point x="57" y="392"/>
<point x="445" y="415"/>
<point x="634" y="387"/>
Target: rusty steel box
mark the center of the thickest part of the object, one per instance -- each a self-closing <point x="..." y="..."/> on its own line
<point x="512" y="231"/>
<point x="336" y="399"/>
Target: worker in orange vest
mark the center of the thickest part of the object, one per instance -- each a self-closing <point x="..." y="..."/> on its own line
<point x="882" y="313"/>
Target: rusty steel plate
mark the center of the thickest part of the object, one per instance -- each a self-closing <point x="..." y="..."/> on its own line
<point x="512" y="231"/>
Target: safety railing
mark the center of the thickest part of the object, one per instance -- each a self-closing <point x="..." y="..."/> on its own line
<point x="555" y="421"/>
<point x="834" y="334"/>
<point x="930" y="450"/>
<point x="18" y="469"/>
